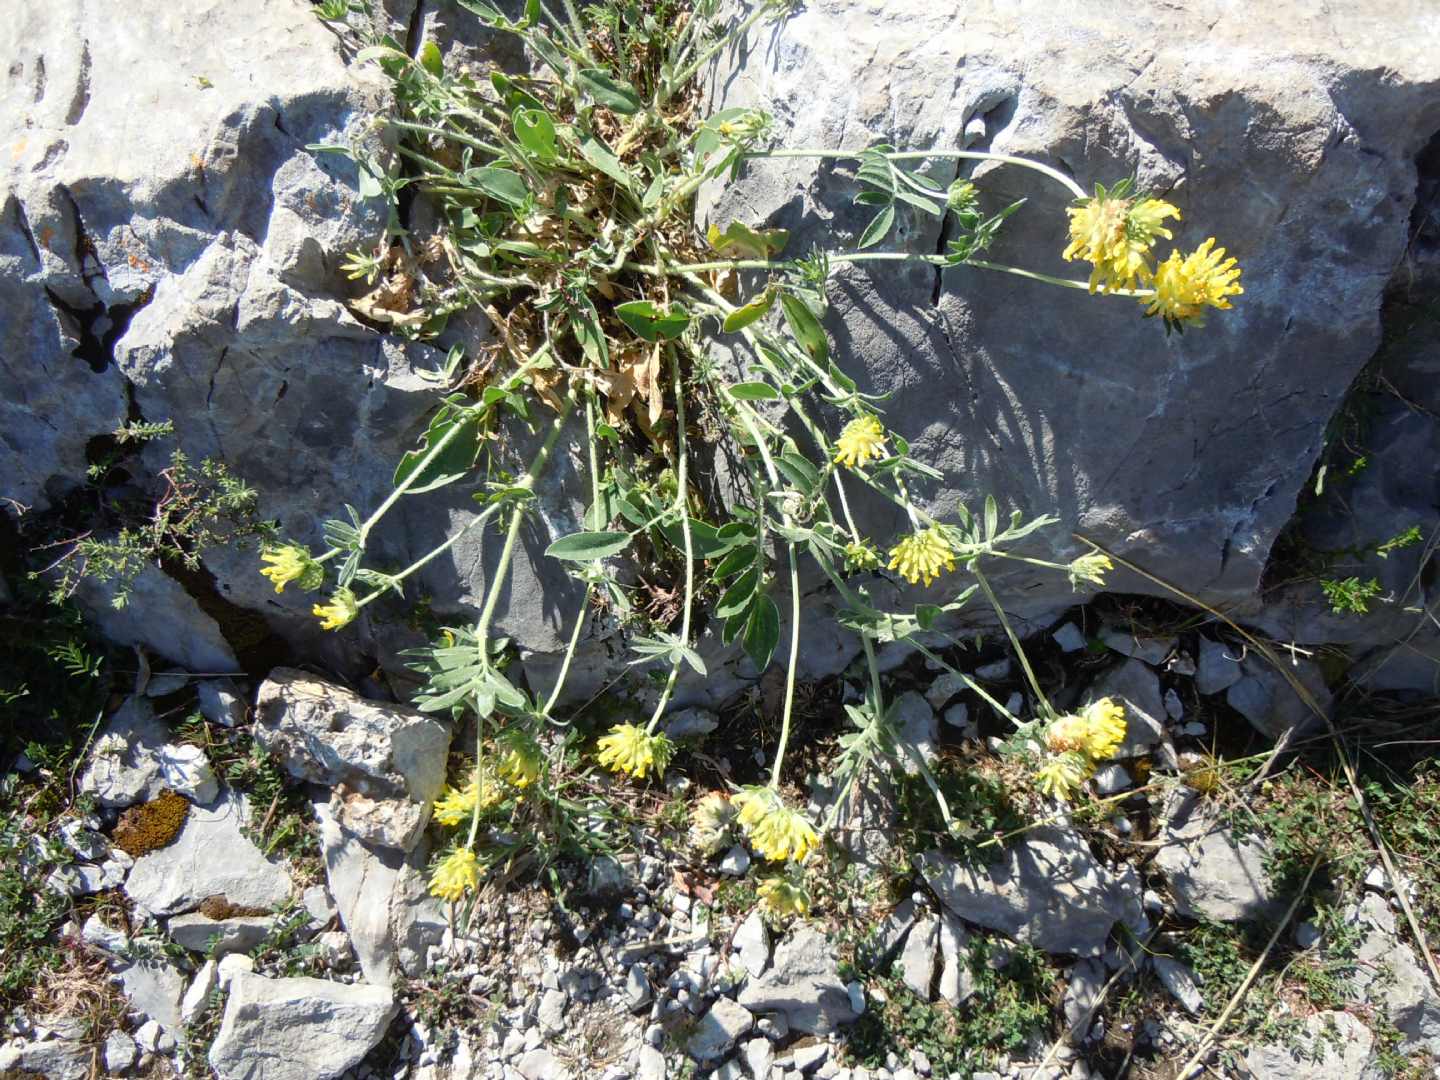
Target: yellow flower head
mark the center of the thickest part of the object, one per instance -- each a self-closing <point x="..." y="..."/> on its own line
<point x="861" y="555"/>
<point x="456" y="806"/>
<point x="292" y="562"/>
<point x="862" y="439"/>
<point x="922" y="555"/>
<point x="783" y="899"/>
<point x="774" y="830"/>
<point x="457" y="874"/>
<point x="1184" y="287"/>
<point x="1104" y="728"/>
<point x="1115" y="235"/>
<point x="1062" y="774"/>
<point x="520" y="758"/>
<point x="339" y="612"/>
<point x="629" y="749"/>
<point x="1090" y="569"/>
<point x="710" y="822"/>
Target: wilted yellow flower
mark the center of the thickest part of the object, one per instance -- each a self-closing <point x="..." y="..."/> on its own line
<point x="862" y="439"/>
<point x="1062" y="774"/>
<point x="520" y="758"/>
<point x="457" y="805"/>
<point x="339" y="612"/>
<point x="922" y="555"/>
<point x="1104" y="728"/>
<point x="774" y="830"/>
<point x="1090" y="568"/>
<point x="710" y="822"/>
<point x="629" y="749"/>
<point x="861" y="555"/>
<point x="783" y="899"/>
<point x="292" y="562"/>
<point x="1184" y="287"/>
<point x="457" y="874"/>
<point x="1115" y="234"/>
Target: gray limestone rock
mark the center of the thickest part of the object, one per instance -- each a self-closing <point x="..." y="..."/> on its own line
<point x="119" y="1054"/>
<point x="1389" y="975"/>
<point x="957" y="982"/>
<point x="1212" y="875"/>
<point x="384" y="763"/>
<point x="221" y="702"/>
<point x="1180" y="981"/>
<point x="1332" y="1046"/>
<point x="239" y="933"/>
<point x="803" y="984"/>
<point x="1286" y="136"/>
<point x="752" y="944"/>
<point x="1151" y="650"/>
<point x="382" y="899"/>
<point x="1047" y="890"/>
<point x="124" y="765"/>
<point x="58" y="1059"/>
<point x="917" y="958"/>
<point x="718" y="1031"/>
<point x="1087" y="978"/>
<point x="297" y="1029"/>
<point x="1219" y="667"/>
<point x="177" y="877"/>
<point x="917" y="731"/>
<point x="1270" y="703"/>
<point x="155" y="988"/>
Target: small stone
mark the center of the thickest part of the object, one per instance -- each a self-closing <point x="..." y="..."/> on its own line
<point x="318" y="903"/>
<point x="120" y="1052"/>
<point x="197" y="994"/>
<point x="1015" y="704"/>
<point x="736" y="862"/>
<point x="221" y="703"/>
<point x="151" y="1037"/>
<point x="994" y="672"/>
<point x="219" y="936"/>
<point x="232" y="965"/>
<point x="1069" y="637"/>
<point x="759" y="1056"/>
<point x="718" y="1030"/>
<point x="650" y="1064"/>
<point x="185" y="769"/>
<point x="1307" y="934"/>
<point x="1218" y="670"/>
<point x="96" y="932"/>
<point x="1180" y="981"/>
<point x="957" y="982"/>
<point x="917" y="958"/>
<point x="1174" y="707"/>
<point x="917" y="731"/>
<point x="752" y="943"/>
<point x="809" y="1058"/>
<point x="637" y="988"/>
<point x="1194" y="729"/>
<point x="943" y="689"/>
<point x="164" y="683"/>
<point x="1086" y="980"/>
<point x="691" y="723"/>
<point x="1150" y="650"/>
<point x="958" y="716"/>
<point x="551" y="1013"/>
<point x="1112" y="779"/>
<point x="855" y="993"/>
<point x="775" y="1028"/>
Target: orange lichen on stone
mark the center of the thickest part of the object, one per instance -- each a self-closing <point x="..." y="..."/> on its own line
<point x="151" y="825"/>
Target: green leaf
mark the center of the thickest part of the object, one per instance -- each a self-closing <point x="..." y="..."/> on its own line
<point x="598" y="154"/>
<point x="736" y="598"/>
<point x="431" y="60"/>
<point x="740" y="241"/>
<point x="501" y="185"/>
<point x="752" y="391"/>
<point x="806" y="327"/>
<point x="652" y="322"/>
<point x="878" y="228"/>
<point x="535" y="131"/>
<point x="651" y="198"/>
<point x="762" y="632"/>
<point x="587" y="546"/>
<point x="457" y="459"/>
<point x="798" y="471"/>
<point x="609" y="91"/>
<point x="992" y="517"/>
<point x="736" y="561"/>
<point x="705" y="540"/>
<point x="742" y="317"/>
<point x="484" y="10"/>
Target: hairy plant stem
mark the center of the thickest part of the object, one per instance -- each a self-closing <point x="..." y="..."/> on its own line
<point x="1040" y="697"/>
<point x="685" y="74"/>
<point x="790" y="669"/>
<point x="935" y="155"/>
<point x="682" y="504"/>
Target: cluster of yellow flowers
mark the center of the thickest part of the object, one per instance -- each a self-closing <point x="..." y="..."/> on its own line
<point x="630" y="749"/>
<point x="774" y="830"/>
<point x="861" y="440"/>
<point x="1079" y="742"/>
<point x="1115" y="233"/>
<point x="457" y="874"/>
<point x="291" y="562"/>
<point x="783" y="898"/>
<point x="520" y="758"/>
<point x="922" y="555"/>
<point x="339" y="612"/>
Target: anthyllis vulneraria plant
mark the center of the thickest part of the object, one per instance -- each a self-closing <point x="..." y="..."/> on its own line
<point x="565" y="207"/>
